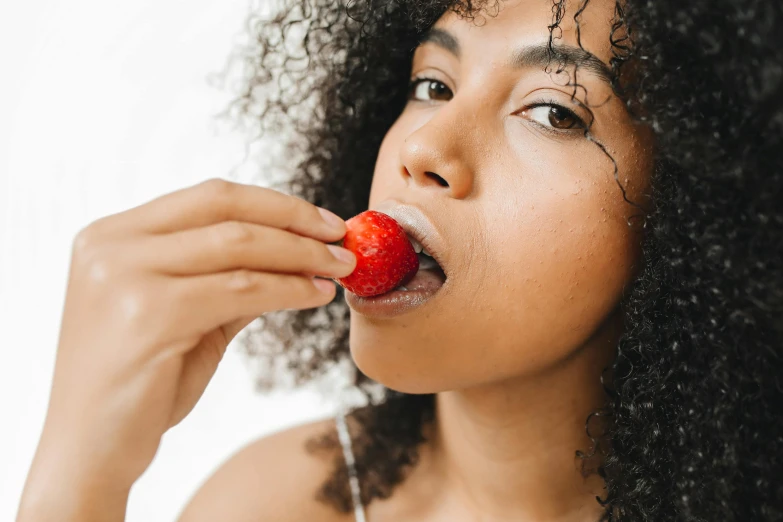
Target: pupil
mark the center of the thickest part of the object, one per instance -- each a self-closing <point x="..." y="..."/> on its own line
<point x="437" y="89"/>
<point x="554" y="114"/>
<point x="560" y="119"/>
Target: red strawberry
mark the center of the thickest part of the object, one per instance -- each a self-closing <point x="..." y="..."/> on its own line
<point x="385" y="258"/>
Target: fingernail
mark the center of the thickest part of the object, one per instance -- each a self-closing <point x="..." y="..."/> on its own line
<point x="331" y="219"/>
<point x="323" y="285"/>
<point x="341" y="254"/>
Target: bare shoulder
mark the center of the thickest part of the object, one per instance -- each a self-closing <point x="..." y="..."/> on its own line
<point x="272" y="479"/>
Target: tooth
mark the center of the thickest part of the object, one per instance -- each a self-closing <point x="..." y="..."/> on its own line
<point x="416" y="245"/>
<point x="426" y="253"/>
<point x="402" y="288"/>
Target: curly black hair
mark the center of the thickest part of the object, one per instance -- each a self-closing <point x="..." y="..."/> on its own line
<point x="696" y="399"/>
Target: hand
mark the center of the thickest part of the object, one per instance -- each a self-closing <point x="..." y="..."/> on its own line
<point x="154" y="296"/>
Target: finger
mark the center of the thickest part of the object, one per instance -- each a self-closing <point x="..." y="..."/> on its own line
<point x="232" y="245"/>
<point x="210" y="301"/>
<point x="218" y="200"/>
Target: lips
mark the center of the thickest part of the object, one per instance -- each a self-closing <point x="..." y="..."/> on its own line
<point x="424" y="236"/>
<point x="428" y="280"/>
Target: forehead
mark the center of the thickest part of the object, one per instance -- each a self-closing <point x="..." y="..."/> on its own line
<point x="504" y="25"/>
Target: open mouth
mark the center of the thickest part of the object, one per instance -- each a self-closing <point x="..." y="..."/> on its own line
<point x="418" y="288"/>
<point x="430" y="275"/>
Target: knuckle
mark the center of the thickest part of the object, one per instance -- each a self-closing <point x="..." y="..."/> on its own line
<point x="297" y="211"/>
<point x="307" y="212"/>
<point x="216" y="190"/>
<point x="86" y="239"/>
<point x="244" y="280"/>
<point x="233" y="233"/>
<point x="312" y="212"/>
<point x="216" y="186"/>
<point x="316" y="252"/>
<point x="134" y="303"/>
<point x="97" y="269"/>
<point x="95" y="263"/>
<point x="92" y="237"/>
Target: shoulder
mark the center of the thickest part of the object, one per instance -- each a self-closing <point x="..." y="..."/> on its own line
<point x="273" y="478"/>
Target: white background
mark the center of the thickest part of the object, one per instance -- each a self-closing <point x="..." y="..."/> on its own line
<point x="105" y="105"/>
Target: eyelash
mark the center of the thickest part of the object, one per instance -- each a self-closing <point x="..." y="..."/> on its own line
<point x="579" y="126"/>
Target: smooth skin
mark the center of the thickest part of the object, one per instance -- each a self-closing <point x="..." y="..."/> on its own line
<point x="539" y="253"/>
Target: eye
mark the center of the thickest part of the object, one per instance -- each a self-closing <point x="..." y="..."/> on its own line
<point x="427" y="89"/>
<point x="554" y="116"/>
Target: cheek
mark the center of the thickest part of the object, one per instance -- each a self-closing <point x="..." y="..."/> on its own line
<point x="562" y="259"/>
<point x="387" y="178"/>
<point x="564" y="248"/>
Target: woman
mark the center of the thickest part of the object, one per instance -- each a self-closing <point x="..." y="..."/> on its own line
<point x="600" y="184"/>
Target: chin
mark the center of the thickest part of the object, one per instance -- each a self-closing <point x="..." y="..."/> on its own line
<point x="400" y="366"/>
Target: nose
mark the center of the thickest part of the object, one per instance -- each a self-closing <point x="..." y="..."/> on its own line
<point x="436" y="156"/>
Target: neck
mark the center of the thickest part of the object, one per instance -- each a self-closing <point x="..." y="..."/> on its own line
<point x="507" y="450"/>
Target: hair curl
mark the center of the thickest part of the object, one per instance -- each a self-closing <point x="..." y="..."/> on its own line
<point x="696" y="402"/>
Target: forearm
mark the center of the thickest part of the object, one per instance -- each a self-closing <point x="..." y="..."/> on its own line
<point x="64" y="503"/>
<point x="65" y="490"/>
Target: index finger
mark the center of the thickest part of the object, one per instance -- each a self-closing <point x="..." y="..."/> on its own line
<point x="218" y="200"/>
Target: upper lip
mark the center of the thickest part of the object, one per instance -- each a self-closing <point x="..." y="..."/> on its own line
<point x="418" y="226"/>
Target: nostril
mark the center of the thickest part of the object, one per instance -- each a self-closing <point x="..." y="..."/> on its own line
<point x="442" y="182"/>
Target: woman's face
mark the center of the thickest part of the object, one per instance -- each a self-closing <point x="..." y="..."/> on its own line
<point x="532" y="224"/>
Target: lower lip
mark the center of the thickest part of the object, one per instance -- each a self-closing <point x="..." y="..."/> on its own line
<point x="391" y="304"/>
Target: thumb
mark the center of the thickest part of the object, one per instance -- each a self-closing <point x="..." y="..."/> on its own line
<point x="200" y="364"/>
<point x="230" y="330"/>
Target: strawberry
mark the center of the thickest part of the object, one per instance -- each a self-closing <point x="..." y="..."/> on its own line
<point x="385" y="258"/>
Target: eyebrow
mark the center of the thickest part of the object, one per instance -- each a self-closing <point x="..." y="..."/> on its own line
<point x="533" y="56"/>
